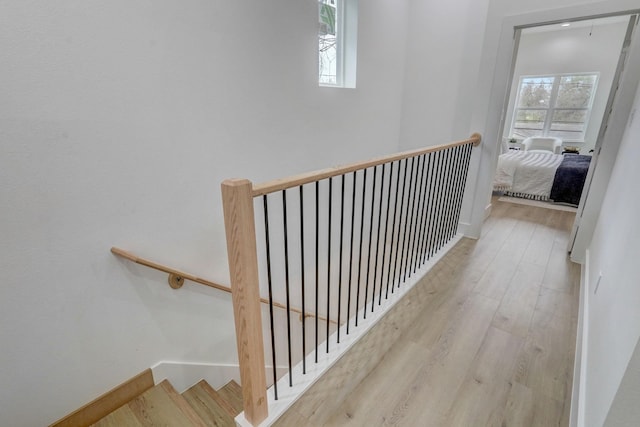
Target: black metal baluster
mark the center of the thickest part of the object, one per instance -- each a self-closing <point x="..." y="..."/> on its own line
<point x="286" y="282"/>
<point x="427" y="203"/>
<point x="375" y="268"/>
<point x="456" y="191"/>
<point x="386" y="233"/>
<point x="395" y="263"/>
<point x="302" y="273"/>
<point x="373" y="199"/>
<point x="434" y="202"/>
<point x="340" y="261"/>
<point x="364" y="193"/>
<point x="441" y="195"/>
<point x="453" y="188"/>
<point x="414" y="215"/>
<point x="270" y="283"/>
<point x="406" y="224"/>
<point x="443" y="201"/>
<point x="419" y="216"/>
<point x="469" y="148"/>
<point x="329" y="262"/>
<point x="353" y="218"/>
<point x="438" y="206"/>
<point x="317" y="261"/>
<point x="393" y="229"/>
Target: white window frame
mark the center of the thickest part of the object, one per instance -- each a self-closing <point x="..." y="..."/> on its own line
<point x="557" y="78"/>
<point x="346" y="45"/>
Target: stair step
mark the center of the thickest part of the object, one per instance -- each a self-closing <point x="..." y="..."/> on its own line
<point x="121" y="417"/>
<point x="209" y="405"/>
<point x="232" y="393"/>
<point x="158" y="406"/>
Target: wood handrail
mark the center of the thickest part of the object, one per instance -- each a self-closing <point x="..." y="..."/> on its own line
<point x="305" y="178"/>
<point x="171" y="271"/>
<point x="176" y="278"/>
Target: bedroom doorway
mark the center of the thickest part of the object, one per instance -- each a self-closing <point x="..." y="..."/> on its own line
<point x="564" y="79"/>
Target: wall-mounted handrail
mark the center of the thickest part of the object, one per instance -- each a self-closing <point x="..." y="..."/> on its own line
<point x="177" y="277"/>
<point x="306" y="178"/>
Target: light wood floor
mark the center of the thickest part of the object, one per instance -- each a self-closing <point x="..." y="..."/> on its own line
<point x="494" y="344"/>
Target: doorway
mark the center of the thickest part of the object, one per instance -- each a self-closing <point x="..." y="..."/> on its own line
<point x="563" y="82"/>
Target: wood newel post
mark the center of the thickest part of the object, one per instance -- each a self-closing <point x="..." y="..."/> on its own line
<point x="237" y="200"/>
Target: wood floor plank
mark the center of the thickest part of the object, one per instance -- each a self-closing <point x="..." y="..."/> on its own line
<point x="429" y="394"/>
<point x="546" y="360"/>
<point x="519" y="410"/>
<point x="547" y="412"/>
<point x="208" y="409"/>
<point x="382" y="386"/>
<point x="157" y="407"/>
<point x="232" y="393"/>
<point x="560" y="273"/>
<point x="519" y="301"/>
<point x="492" y="343"/>
<point x="482" y="398"/>
<point x="121" y="417"/>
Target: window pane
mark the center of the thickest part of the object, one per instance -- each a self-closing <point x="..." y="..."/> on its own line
<point x="535" y="92"/>
<point x="576" y="91"/>
<point x="327" y="41"/>
<point x="529" y="123"/>
<point x="568" y="124"/>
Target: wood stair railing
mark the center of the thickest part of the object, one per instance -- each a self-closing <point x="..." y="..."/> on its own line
<point x="161" y="404"/>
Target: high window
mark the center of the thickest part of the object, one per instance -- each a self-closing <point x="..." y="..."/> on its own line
<point x="554" y="105"/>
<point x="337" y="38"/>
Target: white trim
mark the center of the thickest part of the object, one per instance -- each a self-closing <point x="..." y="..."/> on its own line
<point x="576" y="417"/>
<point x="182" y="375"/>
<point x="287" y="396"/>
<point x="463" y="228"/>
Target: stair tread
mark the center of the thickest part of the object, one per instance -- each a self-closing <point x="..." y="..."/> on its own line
<point x="158" y="406"/>
<point x="207" y="404"/>
<point x="121" y="417"/>
<point x="232" y="393"/>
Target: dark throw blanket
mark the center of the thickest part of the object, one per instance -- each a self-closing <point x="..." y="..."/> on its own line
<point x="569" y="179"/>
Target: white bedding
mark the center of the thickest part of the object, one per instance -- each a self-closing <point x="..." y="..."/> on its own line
<point x="526" y="174"/>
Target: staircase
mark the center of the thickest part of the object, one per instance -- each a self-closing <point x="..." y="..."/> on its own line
<point x="162" y="405"/>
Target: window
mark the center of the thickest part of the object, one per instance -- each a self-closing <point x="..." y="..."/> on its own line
<point x="337" y="35"/>
<point x="555" y="105"/>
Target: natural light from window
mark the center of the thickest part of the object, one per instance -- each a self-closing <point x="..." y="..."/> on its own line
<point x="337" y="39"/>
<point x="554" y="105"/>
<point x="328" y="42"/>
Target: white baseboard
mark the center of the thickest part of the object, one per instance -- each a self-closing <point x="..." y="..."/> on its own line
<point x="463" y="228"/>
<point x="576" y="418"/>
<point x="183" y="375"/>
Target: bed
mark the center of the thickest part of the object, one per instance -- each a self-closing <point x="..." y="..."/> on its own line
<point x="542" y="176"/>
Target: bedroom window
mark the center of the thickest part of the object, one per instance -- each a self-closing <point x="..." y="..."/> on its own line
<point x="554" y="105"/>
<point x="337" y="42"/>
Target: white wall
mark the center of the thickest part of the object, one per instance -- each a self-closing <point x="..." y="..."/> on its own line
<point x="624" y="410"/>
<point x="571" y="50"/>
<point x="612" y="314"/>
<point x="118" y="121"/>
<point x="443" y="58"/>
